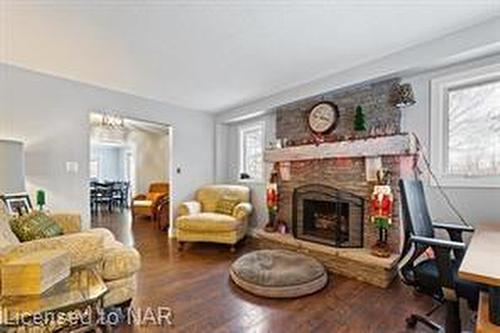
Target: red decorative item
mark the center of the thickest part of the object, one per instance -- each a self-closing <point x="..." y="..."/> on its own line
<point x="381" y="214"/>
<point x="272" y="200"/>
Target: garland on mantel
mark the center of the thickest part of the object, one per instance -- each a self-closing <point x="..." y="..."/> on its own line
<point x="315" y="140"/>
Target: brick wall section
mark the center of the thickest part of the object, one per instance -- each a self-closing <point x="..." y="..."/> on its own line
<point x="375" y="98"/>
<point x="347" y="174"/>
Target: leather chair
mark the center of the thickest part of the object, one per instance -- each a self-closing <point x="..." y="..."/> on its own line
<point x="149" y="203"/>
<point x="437" y="275"/>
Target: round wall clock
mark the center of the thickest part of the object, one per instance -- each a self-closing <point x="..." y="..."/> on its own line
<point x="323" y="117"/>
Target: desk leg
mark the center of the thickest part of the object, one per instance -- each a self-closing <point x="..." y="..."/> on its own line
<point x="495" y="305"/>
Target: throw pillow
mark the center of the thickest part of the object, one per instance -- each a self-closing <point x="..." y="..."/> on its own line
<point x="226" y="205"/>
<point x="35" y="225"/>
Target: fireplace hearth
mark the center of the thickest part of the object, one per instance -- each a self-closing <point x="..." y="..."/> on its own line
<point x="327" y="215"/>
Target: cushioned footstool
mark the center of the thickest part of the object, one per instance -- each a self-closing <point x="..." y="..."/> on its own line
<point x="278" y="273"/>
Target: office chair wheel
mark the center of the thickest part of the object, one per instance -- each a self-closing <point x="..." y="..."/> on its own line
<point x="411" y="321"/>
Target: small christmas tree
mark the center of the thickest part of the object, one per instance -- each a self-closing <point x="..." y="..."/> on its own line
<point x="359" y="119"/>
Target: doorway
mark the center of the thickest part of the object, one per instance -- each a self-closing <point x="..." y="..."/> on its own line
<point x="129" y="172"/>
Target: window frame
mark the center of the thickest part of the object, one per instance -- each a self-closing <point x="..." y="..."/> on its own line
<point x="439" y="89"/>
<point x="241" y="132"/>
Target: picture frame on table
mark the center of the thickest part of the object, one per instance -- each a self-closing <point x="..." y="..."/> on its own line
<point x="18" y="203"/>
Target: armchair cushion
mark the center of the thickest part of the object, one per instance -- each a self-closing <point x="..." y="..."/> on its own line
<point x="226" y="205"/>
<point x="143" y="203"/>
<point x="33" y="226"/>
<point x="208" y="222"/>
<point x="210" y="195"/>
<point x="153" y="196"/>
<point x="189" y="208"/>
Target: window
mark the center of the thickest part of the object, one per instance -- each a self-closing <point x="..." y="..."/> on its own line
<point x="465" y="128"/>
<point x="251" y="151"/>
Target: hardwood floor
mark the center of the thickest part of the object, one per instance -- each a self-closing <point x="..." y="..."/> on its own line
<point x="195" y="284"/>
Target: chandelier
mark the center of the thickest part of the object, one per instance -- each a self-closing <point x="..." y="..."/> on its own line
<point x="112" y="121"/>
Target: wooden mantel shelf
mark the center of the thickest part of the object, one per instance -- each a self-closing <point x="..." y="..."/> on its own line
<point x="401" y="144"/>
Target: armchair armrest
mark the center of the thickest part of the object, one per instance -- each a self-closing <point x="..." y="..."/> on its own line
<point x="139" y="197"/>
<point x="436" y="242"/>
<point x="453" y="226"/>
<point x="69" y="223"/>
<point x="189" y="208"/>
<point x="242" y="210"/>
<point x="83" y="248"/>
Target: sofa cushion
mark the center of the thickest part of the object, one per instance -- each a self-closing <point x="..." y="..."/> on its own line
<point x="143" y="203"/>
<point x="7" y="237"/>
<point x="226" y="205"/>
<point x="210" y="222"/>
<point x="35" y="225"/>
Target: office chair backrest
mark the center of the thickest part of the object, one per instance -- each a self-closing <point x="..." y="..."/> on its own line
<point x="416" y="222"/>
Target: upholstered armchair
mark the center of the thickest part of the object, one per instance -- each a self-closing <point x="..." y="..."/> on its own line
<point x="149" y="203"/>
<point x="209" y="218"/>
<point x="116" y="263"/>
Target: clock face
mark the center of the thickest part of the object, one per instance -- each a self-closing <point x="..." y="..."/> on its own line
<point x="323" y="117"/>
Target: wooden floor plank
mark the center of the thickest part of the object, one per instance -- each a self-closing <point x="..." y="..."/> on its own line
<point x="195" y="284"/>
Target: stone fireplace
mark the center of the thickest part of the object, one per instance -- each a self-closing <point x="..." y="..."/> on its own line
<point x="324" y="189"/>
<point x="327" y="215"/>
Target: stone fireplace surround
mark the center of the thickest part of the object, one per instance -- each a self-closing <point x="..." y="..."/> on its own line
<point x="345" y="171"/>
<point x="340" y="163"/>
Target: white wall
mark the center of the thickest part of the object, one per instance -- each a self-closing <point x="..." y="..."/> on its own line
<point x="230" y="163"/>
<point x="476" y="204"/>
<point x="51" y="115"/>
<point x="151" y="158"/>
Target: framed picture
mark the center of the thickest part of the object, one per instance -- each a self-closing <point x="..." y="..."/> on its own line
<point x="18" y="204"/>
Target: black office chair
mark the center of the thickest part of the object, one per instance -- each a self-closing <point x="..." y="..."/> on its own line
<point x="436" y="277"/>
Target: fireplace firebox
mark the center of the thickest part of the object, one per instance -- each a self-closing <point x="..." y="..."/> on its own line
<point x="327" y="215"/>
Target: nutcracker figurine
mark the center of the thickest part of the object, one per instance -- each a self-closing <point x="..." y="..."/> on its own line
<point x="272" y="200"/>
<point x="381" y="214"/>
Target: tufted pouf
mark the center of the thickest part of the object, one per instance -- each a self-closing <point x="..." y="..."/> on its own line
<point x="278" y="273"/>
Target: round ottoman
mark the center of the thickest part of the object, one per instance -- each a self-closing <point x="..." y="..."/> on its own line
<point x="278" y="273"/>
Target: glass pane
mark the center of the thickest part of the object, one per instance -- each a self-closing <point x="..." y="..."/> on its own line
<point x="252" y="152"/>
<point x="474" y="130"/>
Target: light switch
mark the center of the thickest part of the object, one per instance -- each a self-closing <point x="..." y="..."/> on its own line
<point x="72" y="167"/>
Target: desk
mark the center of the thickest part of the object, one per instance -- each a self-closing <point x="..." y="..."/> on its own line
<point x="481" y="264"/>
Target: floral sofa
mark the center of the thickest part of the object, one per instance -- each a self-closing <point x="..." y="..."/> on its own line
<point x="116" y="263"/>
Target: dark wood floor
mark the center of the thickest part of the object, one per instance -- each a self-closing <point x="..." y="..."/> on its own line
<point x="196" y="286"/>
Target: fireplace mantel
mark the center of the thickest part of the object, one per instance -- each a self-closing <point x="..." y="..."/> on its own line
<point x="401" y="144"/>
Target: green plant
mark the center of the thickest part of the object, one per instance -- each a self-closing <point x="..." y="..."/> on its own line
<point x="359" y="119"/>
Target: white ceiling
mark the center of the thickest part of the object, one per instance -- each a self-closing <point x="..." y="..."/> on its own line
<point x="216" y="55"/>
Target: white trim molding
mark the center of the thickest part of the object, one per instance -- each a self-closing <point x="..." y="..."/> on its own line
<point x="439" y="89"/>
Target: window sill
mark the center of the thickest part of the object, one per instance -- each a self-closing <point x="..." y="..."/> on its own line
<point x="492" y="182"/>
<point x="252" y="181"/>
